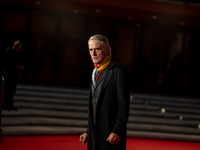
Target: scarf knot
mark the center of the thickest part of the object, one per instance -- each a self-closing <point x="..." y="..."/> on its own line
<point x="99" y="68"/>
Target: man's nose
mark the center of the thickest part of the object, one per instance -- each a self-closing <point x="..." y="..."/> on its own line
<point x="93" y="52"/>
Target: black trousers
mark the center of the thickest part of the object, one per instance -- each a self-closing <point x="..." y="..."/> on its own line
<point x="10" y="88"/>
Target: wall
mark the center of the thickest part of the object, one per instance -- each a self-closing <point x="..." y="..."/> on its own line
<point x="55" y="49"/>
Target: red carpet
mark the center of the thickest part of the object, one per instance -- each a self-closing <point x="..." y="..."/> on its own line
<point x="72" y="143"/>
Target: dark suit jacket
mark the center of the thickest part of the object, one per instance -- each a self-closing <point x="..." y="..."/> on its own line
<point x="112" y="109"/>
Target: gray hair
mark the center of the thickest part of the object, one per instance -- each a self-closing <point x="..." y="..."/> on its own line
<point x="17" y="43"/>
<point x="103" y="39"/>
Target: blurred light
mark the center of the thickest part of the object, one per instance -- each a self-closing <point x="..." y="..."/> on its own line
<point x="137" y="24"/>
<point x="154" y="17"/>
<point x="130" y="18"/>
<point x="75" y="11"/>
<point x="163" y="110"/>
<point x="97" y="10"/>
<point x="182" y="23"/>
<point x="181" y="118"/>
<point x="131" y="97"/>
<point x="38" y="3"/>
<point x="199" y="126"/>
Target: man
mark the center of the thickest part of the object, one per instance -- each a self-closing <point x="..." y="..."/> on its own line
<point x="12" y="67"/>
<point x="109" y="99"/>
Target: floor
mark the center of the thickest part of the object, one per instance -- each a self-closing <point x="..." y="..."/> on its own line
<point x="72" y="143"/>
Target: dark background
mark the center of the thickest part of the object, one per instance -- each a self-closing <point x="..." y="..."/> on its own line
<point x="157" y="40"/>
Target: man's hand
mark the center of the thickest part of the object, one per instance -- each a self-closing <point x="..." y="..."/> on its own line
<point x="83" y="138"/>
<point x="114" y="138"/>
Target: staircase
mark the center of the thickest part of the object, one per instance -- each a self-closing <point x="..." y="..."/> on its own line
<point x="46" y="110"/>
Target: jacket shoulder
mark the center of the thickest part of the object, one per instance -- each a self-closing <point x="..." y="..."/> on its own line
<point x="118" y="66"/>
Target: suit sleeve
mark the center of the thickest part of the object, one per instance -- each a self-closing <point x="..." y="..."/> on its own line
<point x="123" y="98"/>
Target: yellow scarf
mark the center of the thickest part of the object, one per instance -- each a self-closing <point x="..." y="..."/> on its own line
<point x="104" y="63"/>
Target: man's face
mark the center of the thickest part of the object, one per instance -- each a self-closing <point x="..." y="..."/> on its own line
<point x="96" y="52"/>
<point x="17" y="48"/>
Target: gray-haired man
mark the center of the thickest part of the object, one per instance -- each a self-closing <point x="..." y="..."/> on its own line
<point x="108" y="99"/>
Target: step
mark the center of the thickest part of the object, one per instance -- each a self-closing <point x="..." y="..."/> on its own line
<point x="163" y="128"/>
<point x="51" y="89"/>
<point x="57" y="130"/>
<point x="45" y="113"/>
<point x="177" y="116"/>
<point x="59" y="107"/>
<point x="50" y="94"/>
<point x="49" y="100"/>
<point x="44" y="110"/>
<point x="163" y="121"/>
<point x="147" y="97"/>
<point x="163" y="136"/>
<point x="42" y="130"/>
<point x="44" y="121"/>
